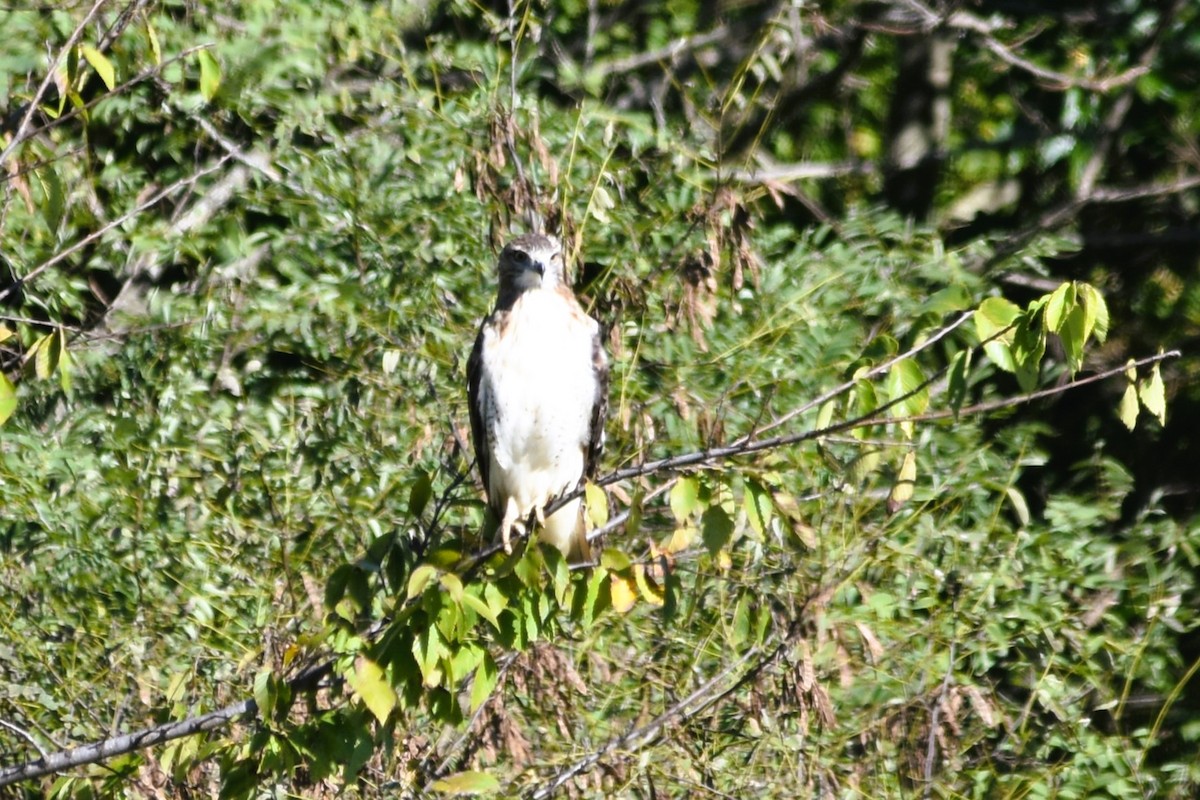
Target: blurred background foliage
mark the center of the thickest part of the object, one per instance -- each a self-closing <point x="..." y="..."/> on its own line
<point x="244" y="247"/>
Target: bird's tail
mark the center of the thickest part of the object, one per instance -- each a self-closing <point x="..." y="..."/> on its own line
<point x="565" y="530"/>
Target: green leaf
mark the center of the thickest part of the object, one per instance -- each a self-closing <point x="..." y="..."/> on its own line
<point x="1153" y="395"/>
<point x="1028" y="347"/>
<point x="101" y="64"/>
<point x="993" y="316"/>
<point x="8" y="398"/>
<point x="467" y="783"/>
<point x="210" y="74"/>
<point x="481" y="608"/>
<point x="486" y="676"/>
<point x="453" y="586"/>
<point x="64" y="363"/>
<point x="614" y="560"/>
<point x="953" y="298"/>
<point x="419" y="494"/>
<point x="420" y="579"/>
<point x="1073" y="335"/>
<point x="53" y="196"/>
<point x="369" y="684"/>
<point x="956" y="391"/>
<point x="757" y="503"/>
<point x="905" y="378"/>
<point x="684" y="497"/>
<point x="1098" y="310"/>
<point x="1058" y="305"/>
<point x="428" y="649"/>
<point x="716" y="528"/>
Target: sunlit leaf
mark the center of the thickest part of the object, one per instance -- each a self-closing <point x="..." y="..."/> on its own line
<point x="101" y="64"/>
<point x="486" y="676"/>
<point x="684" y="497"/>
<point x="210" y="74"/>
<point x="902" y="489"/>
<point x="371" y="686"/>
<point x="596" y="502"/>
<point x="420" y="579"/>
<point x="623" y="593"/>
<point x="1153" y="395"/>
<point x="1128" y="408"/>
<point x="8" y="398"/>
<point x="466" y="783"/>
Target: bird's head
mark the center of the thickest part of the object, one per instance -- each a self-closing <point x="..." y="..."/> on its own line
<point x="529" y="262"/>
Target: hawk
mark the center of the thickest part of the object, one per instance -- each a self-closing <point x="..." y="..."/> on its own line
<point x="537" y="386"/>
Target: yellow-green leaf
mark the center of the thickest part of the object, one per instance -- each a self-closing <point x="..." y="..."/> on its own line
<point x="650" y="592"/>
<point x="6" y="333"/>
<point x="614" y="560"/>
<point x="758" y="507"/>
<point x="905" y="383"/>
<point x="596" y="502"/>
<point x="902" y="489"/>
<point x="464" y="783"/>
<point x="420" y="579"/>
<point x="1128" y="408"/>
<point x="453" y="586"/>
<point x="481" y="608"/>
<point x="8" y="398"/>
<point x="1096" y="310"/>
<point x="1154" y="396"/>
<point x="993" y="316"/>
<point x="684" y="497"/>
<point x="155" y="47"/>
<point x="1020" y="507"/>
<point x="210" y="74"/>
<point x="101" y="64"/>
<point x="1058" y="306"/>
<point x="368" y="682"/>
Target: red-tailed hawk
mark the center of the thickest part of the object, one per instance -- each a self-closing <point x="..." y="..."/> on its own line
<point x="537" y="385"/>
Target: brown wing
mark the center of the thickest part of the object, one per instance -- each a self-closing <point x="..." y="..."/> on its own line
<point x="591" y="463"/>
<point x="476" y="399"/>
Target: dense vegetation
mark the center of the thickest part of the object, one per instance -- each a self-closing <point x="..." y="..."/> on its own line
<point x="244" y="248"/>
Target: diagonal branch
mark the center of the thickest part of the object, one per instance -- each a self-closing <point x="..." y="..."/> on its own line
<point x="19" y="135"/>
<point x="155" y="198"/>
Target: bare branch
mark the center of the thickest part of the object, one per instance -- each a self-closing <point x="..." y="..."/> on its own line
<point x="966" y="21"/>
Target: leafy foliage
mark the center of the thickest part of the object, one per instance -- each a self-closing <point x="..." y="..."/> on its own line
<point x="248" y="251"/>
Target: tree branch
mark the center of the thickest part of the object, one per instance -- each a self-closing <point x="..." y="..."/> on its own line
<point x="19" y="135"/>
<point x="121" y="220"/>
<point x="689" y="706"/>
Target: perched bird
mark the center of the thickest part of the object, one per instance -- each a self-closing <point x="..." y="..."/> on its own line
<point x="537" y="386"/>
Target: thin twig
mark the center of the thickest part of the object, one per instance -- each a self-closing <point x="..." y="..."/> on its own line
<point x="24" y="734"/>
<point x="20" y="135"/>
<point x="128" y="215"/>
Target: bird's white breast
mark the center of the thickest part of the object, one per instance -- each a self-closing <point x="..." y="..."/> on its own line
<point x="540" y="387"/>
